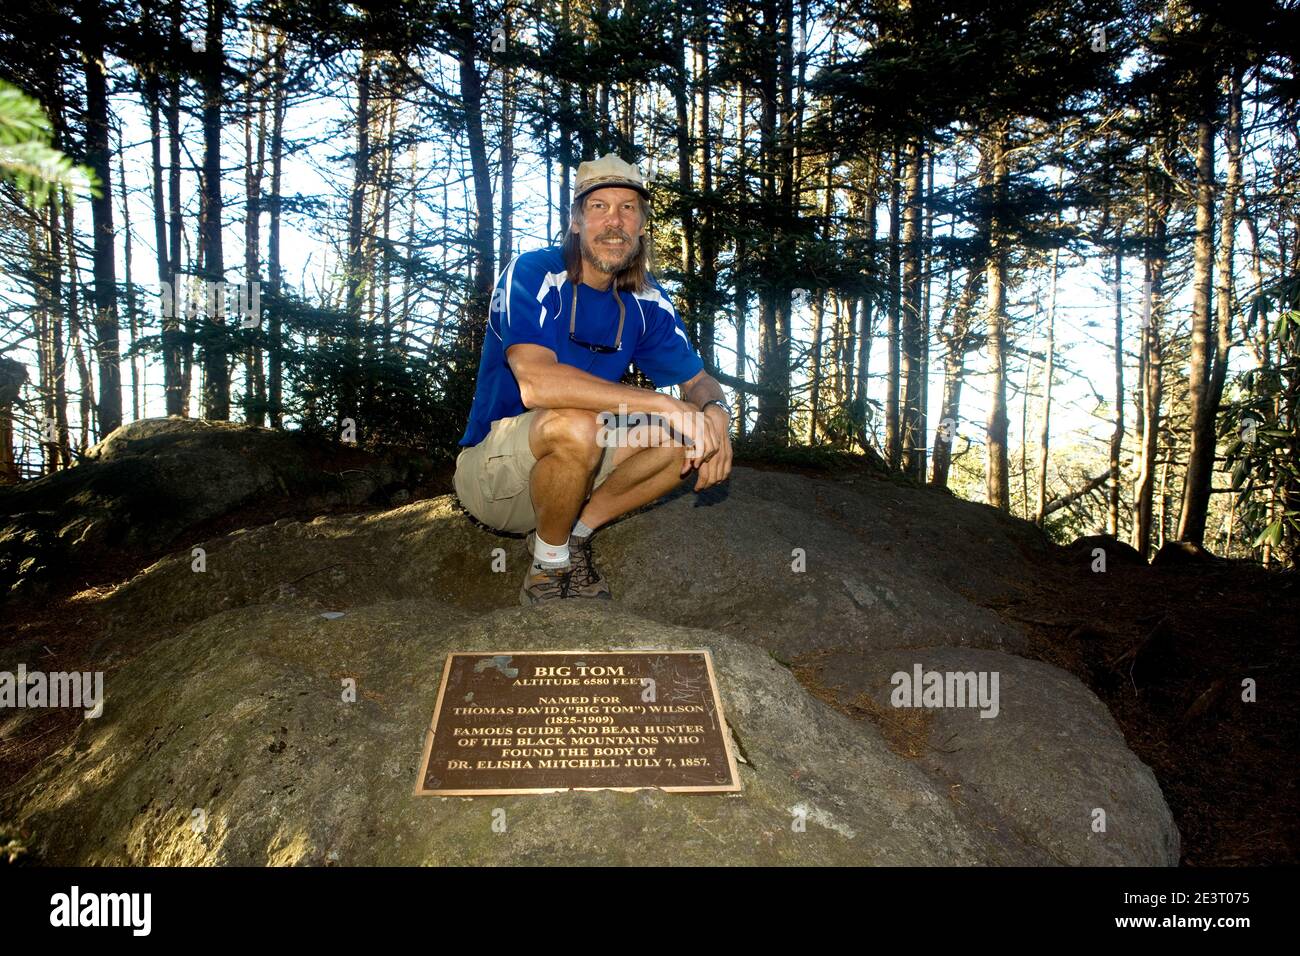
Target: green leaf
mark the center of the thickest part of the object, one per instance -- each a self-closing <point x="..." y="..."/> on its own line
<point x="37" y="168"/>
<point x="1272" y="534"/>
<point x="21" y="117"/>
<point x="26" y="157"/>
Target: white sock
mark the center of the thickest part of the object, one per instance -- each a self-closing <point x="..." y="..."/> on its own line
<point x="580" y="530"/>
<point x="549" y="555"/>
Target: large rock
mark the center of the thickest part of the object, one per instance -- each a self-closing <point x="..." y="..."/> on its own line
<point x="231" y="743"/>
<point x="224" y="680"/>
<point x="1046" y="758"/>
<point x="150" y="481"/>
<point x="787" y="562"/>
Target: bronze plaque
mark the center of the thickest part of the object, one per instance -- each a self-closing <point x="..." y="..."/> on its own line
<point x="544" y="721"/>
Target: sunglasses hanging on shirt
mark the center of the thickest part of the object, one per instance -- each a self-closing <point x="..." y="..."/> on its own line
<point x="573" y="324"/>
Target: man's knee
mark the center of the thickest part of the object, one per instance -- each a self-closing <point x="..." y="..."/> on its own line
<point x="572" y="432"/>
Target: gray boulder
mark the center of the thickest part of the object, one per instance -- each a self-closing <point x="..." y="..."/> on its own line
<point x="150" y="481"/>
<point x="231" y="743"/>
<point x="1044" y="759"/>
<point x="787" y="562"/>
<point x="224" y="692"/>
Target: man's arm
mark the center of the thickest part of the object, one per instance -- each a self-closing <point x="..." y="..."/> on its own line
<point x="700" y="389"/>
<point x="545" y="382"/>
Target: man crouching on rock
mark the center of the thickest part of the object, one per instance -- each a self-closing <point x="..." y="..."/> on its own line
<point x="555" y="444"/>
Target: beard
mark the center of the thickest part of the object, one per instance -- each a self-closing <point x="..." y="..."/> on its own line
<point x="611" y="259"/>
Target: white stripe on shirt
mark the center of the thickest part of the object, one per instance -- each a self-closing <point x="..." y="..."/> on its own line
<point x="653" y="295"/>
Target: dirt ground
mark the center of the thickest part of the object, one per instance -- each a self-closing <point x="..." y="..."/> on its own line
<point x="1169" y="652"/>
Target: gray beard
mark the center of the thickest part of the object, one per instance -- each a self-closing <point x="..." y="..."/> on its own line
<point x="611" y="267"/>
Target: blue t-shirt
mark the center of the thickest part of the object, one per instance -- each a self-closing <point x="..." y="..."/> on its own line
<point x="532" y="304"/>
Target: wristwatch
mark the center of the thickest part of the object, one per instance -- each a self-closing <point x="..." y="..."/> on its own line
<point x="721" y="404"/>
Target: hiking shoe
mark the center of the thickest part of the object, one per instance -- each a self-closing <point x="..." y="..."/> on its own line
<point x="544" y="584"/>
<point x="587" y="581"/>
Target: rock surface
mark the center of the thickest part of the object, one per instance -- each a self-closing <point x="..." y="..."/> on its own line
<point x="1048" y="762"/>
<point x="231" y="743"/>
<point x="151" y="480"/>
<point x="726" y="562"/>
<point x="224" y="691"/>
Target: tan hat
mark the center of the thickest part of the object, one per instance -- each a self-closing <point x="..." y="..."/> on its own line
<point x="609" y="170"/>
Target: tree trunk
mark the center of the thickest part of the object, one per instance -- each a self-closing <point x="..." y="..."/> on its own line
<point x="913" y="437"/>
<point x="773" y="310"/>
<point x="387" y="183"/>
<point x="1049" y="372"/>
<point x="176" y="353"/>
<point x="153" y="102"/>
<point x="107" y="348"/>
<point x="837" y="357"/>
<point x="566" y="136"/>
<point x="1049" y="369"/>
<point x="923" y="344"/>
<point x="56" y="403"/>
<point x="1154" y="256"/>
<point x="254" y="170"/>
<point x="410" y="244"/>
<point x="275" y="398"/>
<point x="87" y="399"/>
<point x="891" y="338"/>
<point x="44" y="315"/>
<point x="132" y="316"/>
<point x="55" y="396"/>
<point x="357" y="197"/>
<point x="357" y="279"/>
<point x="818" y="310"/>
<point x="954" y="374"/>
<point x="997" y="486"/>
<point x="866" y="330"/>
<point x="1225" y="295"/>
<point x="708" y="306"/>
<point x="850" y="307"/>
<point x="1117" y="436"/>
<point x="1200" y="452"/>
<point x="685" y="178"/>
<point x="1225" y="291"/>
<point x="216" y="370"/>
<point x="506" y="247"/>
<point x="1025" y="395"/>
<point x="471" y="87"/>
<point x="741" y="316"/>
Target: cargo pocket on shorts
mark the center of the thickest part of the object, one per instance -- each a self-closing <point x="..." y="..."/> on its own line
<point x="500" y="479"/>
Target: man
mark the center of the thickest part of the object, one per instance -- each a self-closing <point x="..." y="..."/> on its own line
<point x="564" y="325"/>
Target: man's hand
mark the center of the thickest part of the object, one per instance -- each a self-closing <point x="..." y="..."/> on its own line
<point x="684" y="423"/>
<point x="713" y="456"/>
<point x="715" y="463"/>
<point x="707" y="437"/>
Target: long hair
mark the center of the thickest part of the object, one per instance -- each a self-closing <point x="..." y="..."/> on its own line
<point x="635" y="277"/>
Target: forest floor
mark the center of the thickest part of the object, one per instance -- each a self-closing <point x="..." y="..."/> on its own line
<point x="1199" y="632"/>
<point x="1166" y="648"/>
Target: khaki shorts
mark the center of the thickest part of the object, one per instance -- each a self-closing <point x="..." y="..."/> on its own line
<point x="492" y="477"/>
